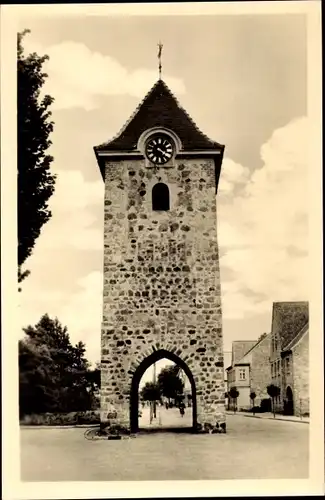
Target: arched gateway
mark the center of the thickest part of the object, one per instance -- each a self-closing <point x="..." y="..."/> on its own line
<point x="161" y="295"/>
<point x="148" y="361"/>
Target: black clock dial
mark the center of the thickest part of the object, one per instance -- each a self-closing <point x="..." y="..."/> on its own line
<point x="159" y="149"/>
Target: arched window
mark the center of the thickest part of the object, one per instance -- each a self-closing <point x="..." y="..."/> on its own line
<point x="160" y="197"/>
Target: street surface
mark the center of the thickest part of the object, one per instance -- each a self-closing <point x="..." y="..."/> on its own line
<point x="170" y="418"/>
<point x="251" y="449"/>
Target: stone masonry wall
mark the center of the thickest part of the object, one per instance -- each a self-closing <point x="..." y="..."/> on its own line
<point x="260" y="369"/>
<point x="300" y="356"/>
<point x="161" y="282"/>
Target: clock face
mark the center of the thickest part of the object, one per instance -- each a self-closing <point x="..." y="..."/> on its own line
<point x="159" y="149"/>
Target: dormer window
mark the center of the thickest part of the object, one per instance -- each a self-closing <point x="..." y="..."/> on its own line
<point x="160" y="197"/>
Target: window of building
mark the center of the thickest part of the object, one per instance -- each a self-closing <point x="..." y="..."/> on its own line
<point x="272" y="370"/>
<point x="242" y="374"/>
<point x="160" y="197"/>
<point x="288" y="365"/>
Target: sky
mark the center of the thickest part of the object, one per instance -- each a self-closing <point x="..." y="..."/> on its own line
<point x="253" y="100"/>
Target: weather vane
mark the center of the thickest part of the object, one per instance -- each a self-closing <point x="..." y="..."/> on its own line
<point x="160" y="46"/>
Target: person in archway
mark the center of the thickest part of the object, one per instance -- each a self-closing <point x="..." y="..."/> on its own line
<point x="182" y="409"/>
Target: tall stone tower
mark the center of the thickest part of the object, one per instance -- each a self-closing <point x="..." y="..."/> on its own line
<point x="162" y="295"/>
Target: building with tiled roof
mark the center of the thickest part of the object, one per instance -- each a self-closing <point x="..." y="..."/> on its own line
<point x="289" y="362"/>
<point x="295" y="374"/>
<point x="251" y="371"/>
<point x="238" y="374"/>
<point x="161" y="258"/>
<point x="280" y="358"/>
<point x="161" y="109"/>
<point x="239" y="348"/>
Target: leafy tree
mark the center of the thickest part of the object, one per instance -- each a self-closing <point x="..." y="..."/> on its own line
<point x="171" y="386"/>
<point x="35" y="181"/>
<point x="234" y="393"/>
<point x="273" y="391"/>
<point x="35" y="379"/>
<point x="252" y="397"/>
<point x="54" y="375"/>
<point x="150" y="392"/>
<point x="93" y="377"/>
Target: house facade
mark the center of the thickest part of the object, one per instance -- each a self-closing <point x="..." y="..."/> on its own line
<point x="295" y="378"/>
<point x="251" y="373"/>
<point x="260" y="369"/>
<point x="280" y="358"/>
<point x="289" y="320"/>
<point x="238" y="374"/>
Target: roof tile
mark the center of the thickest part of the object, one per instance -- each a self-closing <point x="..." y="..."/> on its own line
<point x="160" y="108"/>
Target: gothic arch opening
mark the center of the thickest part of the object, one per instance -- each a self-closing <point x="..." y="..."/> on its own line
<point x="289" y="402"/>
<point x="143" y="366"/>
<point x="160" y="197"/>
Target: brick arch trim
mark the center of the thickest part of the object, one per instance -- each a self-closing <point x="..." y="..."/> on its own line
<point x="138" y="373"/>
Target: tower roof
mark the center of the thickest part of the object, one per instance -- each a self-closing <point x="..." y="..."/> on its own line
<point x="160" y="108"/>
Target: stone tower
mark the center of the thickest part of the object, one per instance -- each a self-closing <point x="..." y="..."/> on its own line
<point x="161" y="295"/>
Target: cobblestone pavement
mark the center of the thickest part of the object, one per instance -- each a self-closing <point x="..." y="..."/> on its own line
<point x="252" y="449"/>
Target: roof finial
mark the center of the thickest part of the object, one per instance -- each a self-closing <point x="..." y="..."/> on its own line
<point x="160" y="46"/>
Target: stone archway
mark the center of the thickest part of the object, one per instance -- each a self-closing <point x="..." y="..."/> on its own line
<point x="143" y="366"/>
<point x="289" y="409"/>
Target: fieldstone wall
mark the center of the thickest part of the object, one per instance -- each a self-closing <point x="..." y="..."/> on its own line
<point x="261" y="369"/>
<point x="161" y="282"/>
<point x="300" y="356"/>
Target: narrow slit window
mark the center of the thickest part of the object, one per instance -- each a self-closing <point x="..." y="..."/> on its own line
<point x="160" y="197"/>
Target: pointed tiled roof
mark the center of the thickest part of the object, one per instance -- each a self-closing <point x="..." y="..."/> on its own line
<point x="296" y="339"/>
<point x="240" y="348"/>
<point x="288" y="319"/>
<point x="160" y="108"/>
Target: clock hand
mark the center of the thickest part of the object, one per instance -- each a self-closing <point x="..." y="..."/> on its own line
<point x="162" y="152"/>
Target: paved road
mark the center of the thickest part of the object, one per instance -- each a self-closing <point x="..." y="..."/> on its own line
<point x="251" y="449"/>
<point x="165" y="418"/>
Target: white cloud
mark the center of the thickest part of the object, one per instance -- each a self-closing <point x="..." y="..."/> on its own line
<point x="78" y="76"/>
<point x="72" y="223"/>
<point x="232" y="174"/>
<point x="73" y="192"/>
<point x="73" y="228"/>
<point x="81" y="312"/>
<point x="263" y="231"/>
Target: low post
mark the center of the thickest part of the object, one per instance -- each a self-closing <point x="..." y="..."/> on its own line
<point x="150" y="407"/>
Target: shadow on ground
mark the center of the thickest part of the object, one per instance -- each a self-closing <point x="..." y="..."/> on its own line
<point x="174" y="430"/>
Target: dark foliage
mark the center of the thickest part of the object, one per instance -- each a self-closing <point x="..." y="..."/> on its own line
<point x="265" y="405"/>
<point x="273" y="391"/>
<point x="35" y="181"/>
<point x="233" y="393"/>
<point x="150" y="392"/>
<point x="54" y="375"/>
<point x="171" y="386"/>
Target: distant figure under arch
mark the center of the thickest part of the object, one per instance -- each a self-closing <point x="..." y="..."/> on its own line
<point x="142" y="367"/>
<point x="160" y="197"/>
